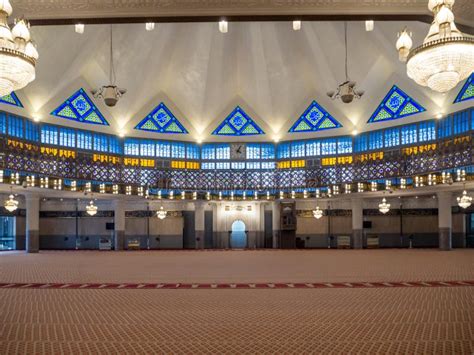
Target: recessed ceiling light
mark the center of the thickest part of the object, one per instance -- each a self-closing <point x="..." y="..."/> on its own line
<point x="121" y="134"/>
<point x="150" y="26"/>
<point x="79" y="27"/>
<point x="369" y="25"/>
<point x="296" y="25"/>
<point x="439" y="115"/>
<point x="355" y="132"/>
<point x="223" y="26"/>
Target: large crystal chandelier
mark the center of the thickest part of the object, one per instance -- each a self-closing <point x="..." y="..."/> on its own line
<point x="18" y="54"/>
<point x="161" y="213"/>
<point x="318" y="213"/>
<point x="464" y="201"/>
<point x="11" y="204"/>
<point x="91" y="209"/>
<point x="446" y="56"/>
<point x="384" y="207"/>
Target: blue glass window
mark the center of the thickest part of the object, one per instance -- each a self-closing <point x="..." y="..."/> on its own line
<point x="297" y="149"/>
<point x="375" y="140"/>
<point x="238" y="165"/>
<point x="67" y="137"/>
<point x="147" y="148"/>
<point x="445" y="127"/>
<point x="268" y="151"/>
<point x="253" y="151"/>
<point x="409" y="134"/>
<point x="192" y="151"/>
<point x="15" y="126"/>
<point x="283" y="151"/>
<point x="328" y="146"/>
<point x="208" y="166"/>
<point x="392" y="137"/>
<point x="178" y="150"/>
<point x="362" y="143"/>
<point x="31" y="131"/>
<point x="163" y="149"/>
<point x="313" y="148"/>
<point x="253" y="165"/>
<point x="3" y="122"/>
<point x="161" y="120"/>
<point x="49" y="135"/>
<point x="223" y="166"/>
<point x="131" y="146"/>
<point x="461" y="122"/>
<point x="84" y="140"/>
<point x="115" y="145"/>
<point x="426" y="131"/>
<point x="238" y="123"/>
<point x="315" y="118"/>
<point x="344" y="145"/>
<point x="208" y="152"/>
<point x="222" y="151"/>
<point x="101" y="142"/>
<point x="268" y="165"/>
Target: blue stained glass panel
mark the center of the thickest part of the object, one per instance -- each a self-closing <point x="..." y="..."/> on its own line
<point x="392" y="137"/>
<point x="376" y="140"/>
<point x="161" y="120"/>
<point x="467" y="90"/>
<point x="101" y="142"/>
<point x="84" y="140"/>
<point x="238" y="123"/>
<point x="80" y="108"/>
<point x="314" y="118"/>
<point x="298" y="149"/>
<point x="192" y="151"/>
<point x="115" y="145"/>
<point x="409" y="134"/>
<point x="147" y="148"/>
<point x="178" y="150"/>
<point x="11" y="99"/>
<point x="313" y="148"/>
<point x="460" y="122"/>
<point x="328" y="146"/>
<point x="283" y="151"/>
<point x="3" y="122"/>
<point x="131" y="146"/>
<point x="396" y="104"/>
<point x="362" y="143"/>
<point x="426" y="131"/>
<point x="15" y="126"/>
<point x="268" y="151"/>
<point x="253" y="151"/>
<point x="208" y="152"/>
<point x="67" y="137"/>
<point x="31" y="131"/>
<point x="222" y="151"/>
<point x="344" y="145"/>
<point x="49" y="135"/>
<point x="163" y="149"/>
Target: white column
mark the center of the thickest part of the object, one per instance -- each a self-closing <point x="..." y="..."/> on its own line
<point x="276" y="224"/>
<point x="119" y="222"/>
<point x="445" y="220"/>
<point x="32" y="223"/>
<point x="199" y="208"/>
<point x="357" y="223"/>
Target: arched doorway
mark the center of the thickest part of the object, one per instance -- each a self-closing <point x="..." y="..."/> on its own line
<point x="238" y="235"/>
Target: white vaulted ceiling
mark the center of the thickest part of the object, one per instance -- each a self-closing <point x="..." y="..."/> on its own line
<point x="201" y="74"/>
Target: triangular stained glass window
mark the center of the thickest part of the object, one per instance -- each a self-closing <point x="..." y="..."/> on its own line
<point x="11" y="99"/>
<point x="80" y="108"/>
<point x="467" y="91"/>
<point x="396" y="104"/>
<point x="315" y="118"/>
<point x="238" y="123"/>
<point x="161" y="120"/>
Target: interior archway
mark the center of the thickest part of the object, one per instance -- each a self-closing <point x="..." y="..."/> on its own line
<point x="238" y="235"/>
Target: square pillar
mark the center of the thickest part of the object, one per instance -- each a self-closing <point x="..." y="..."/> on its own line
<point x="32" y="223"/>
<point x="445" y="220"/>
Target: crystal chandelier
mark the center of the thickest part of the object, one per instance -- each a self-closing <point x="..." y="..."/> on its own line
<point x="11" y="204"/>
<point x="446" y="56"/>
<point x="464" y="201"/>
<point x="318" y="213"/>
<point x="18" y="54"/>
<point x="91" y="209"/>
<point x="161" y="214"/>
<point x="384" y="207"/>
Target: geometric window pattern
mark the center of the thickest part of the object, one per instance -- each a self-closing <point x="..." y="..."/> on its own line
<point x="467" y="91"/>
<point x="161" y="120"/>
<point x="396" y="104"/>
<point x="315" y="118"/>
<point x="80" y="108"/>
<point x="238" y="123"/>
<point x="11" y="99"/>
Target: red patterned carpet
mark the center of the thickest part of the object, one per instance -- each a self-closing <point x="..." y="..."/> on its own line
<point x="370" y="301"/>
